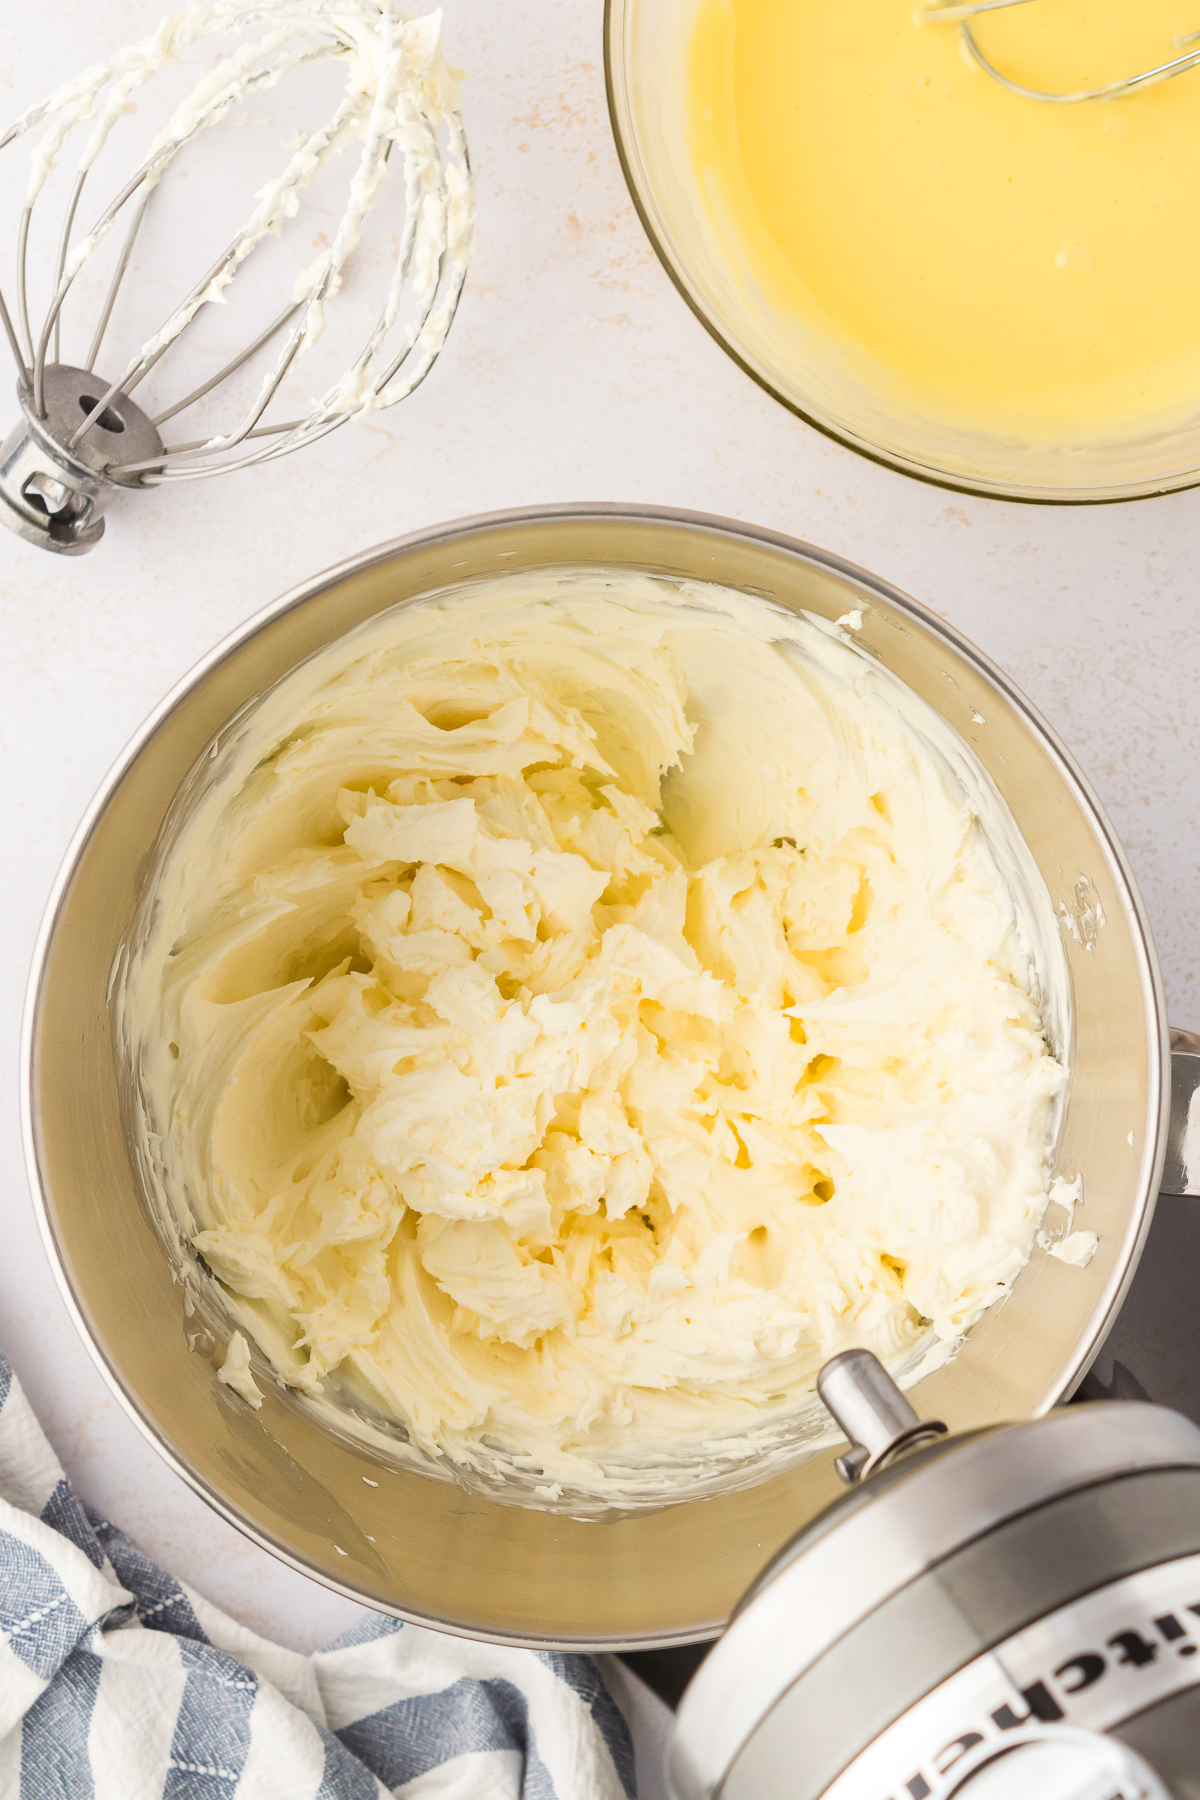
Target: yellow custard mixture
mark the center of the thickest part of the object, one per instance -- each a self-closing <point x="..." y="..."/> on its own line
<point x="983" y="259"/>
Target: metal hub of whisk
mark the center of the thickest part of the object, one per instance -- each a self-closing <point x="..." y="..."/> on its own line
<point x="83" y="438"/>
<point x="53" y="490"/>
<point x="1112" y="90"/>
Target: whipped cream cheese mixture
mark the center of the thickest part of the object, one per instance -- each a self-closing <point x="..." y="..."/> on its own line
<point x="580" y="1006"/>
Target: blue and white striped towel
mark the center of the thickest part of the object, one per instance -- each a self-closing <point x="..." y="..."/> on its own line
<point x="117" y="1682"/>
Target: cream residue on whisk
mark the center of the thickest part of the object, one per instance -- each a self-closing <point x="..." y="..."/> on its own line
<point x="399" y="106"/>
<point x="581" y="1005"/>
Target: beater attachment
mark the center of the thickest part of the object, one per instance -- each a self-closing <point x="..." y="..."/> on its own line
<point x="82" y="437"/>
<point x="1112" y="90"/>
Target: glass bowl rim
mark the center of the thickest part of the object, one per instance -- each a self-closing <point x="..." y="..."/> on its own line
<point x="616" y="85"/>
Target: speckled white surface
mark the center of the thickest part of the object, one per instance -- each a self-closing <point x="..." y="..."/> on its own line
<point x="574" y="372"/>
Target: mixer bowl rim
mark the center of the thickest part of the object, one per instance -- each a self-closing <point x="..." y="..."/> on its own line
<point x="614" y="514"/>
<point x="654" y="224"/>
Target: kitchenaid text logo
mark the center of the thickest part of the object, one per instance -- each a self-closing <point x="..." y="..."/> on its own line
<point x="1090" y="1664"/>
<point x="1053" y="1698"/>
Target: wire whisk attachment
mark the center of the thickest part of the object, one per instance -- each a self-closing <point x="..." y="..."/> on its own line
<point x="1111" y="90"/>
<point x="83" y="437"/>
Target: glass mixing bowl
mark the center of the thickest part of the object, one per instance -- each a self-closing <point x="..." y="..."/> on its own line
<point x="646" y="50"/>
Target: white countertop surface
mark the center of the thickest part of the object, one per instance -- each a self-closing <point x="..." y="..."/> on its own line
<point x="574" y="372"/>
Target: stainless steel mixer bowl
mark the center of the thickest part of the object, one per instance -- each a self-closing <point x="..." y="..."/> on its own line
<point x="423" y="1549"/>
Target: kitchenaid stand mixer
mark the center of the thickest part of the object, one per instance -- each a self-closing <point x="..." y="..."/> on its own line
<point x="1012" y="1612"/>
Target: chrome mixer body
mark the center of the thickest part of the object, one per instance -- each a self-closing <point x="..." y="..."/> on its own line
<point x="1001" y="1614"/>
